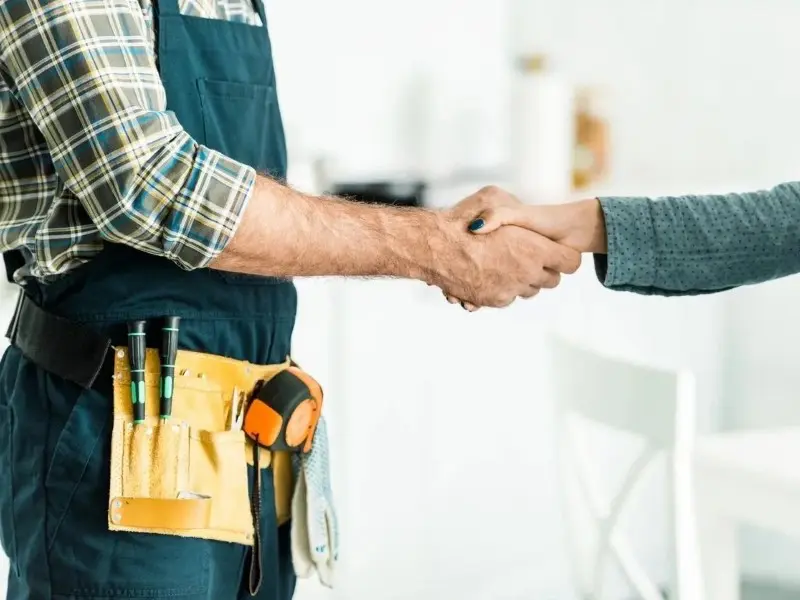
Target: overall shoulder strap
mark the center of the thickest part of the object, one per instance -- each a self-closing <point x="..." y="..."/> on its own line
<point x="165" y="7"/>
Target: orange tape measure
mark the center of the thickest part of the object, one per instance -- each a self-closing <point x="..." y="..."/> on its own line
<point x="284" y="411"/>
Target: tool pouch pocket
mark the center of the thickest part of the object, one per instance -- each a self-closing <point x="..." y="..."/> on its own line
<point x="155" y="460"/>
<point x="219" y="470"/>
<point x="184" y="476"/>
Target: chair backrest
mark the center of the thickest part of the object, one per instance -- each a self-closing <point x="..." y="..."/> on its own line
<point x="635" y="398"/>
<point x="654" y="405"/>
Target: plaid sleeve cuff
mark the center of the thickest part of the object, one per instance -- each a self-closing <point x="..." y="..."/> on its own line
<point x="208" y="210"/>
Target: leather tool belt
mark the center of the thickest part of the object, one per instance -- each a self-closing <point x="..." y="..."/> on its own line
<point x="184" y="476"/>
<point x="187" y="475"/>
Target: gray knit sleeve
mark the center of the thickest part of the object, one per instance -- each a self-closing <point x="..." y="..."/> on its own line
<point x="686" y="245"/>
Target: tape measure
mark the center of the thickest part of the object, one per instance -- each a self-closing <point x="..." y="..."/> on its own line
<point x="283" y="413"/>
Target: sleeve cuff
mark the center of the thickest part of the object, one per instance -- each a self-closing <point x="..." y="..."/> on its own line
<point x="631" y="256"/>
<point x="239" y="199"/>
<point x="218" y="192"/>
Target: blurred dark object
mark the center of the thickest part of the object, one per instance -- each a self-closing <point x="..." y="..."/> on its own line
<point x="397" y="193"/>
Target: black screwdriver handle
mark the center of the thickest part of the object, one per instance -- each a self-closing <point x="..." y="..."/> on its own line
<point x="169" y="353"/>
<point x="136" y="357"/>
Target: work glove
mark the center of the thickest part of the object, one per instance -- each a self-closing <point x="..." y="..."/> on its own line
<point x="315" y="530"/>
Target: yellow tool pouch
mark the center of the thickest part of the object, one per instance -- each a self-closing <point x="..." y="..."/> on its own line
<point x="187" y="476"/>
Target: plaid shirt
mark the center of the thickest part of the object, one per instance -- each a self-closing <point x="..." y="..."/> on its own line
<point x="88" y="152"/>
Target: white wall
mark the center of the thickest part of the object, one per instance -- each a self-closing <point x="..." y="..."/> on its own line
<point x="355" y="75"/>
<point x="695" y="86"/>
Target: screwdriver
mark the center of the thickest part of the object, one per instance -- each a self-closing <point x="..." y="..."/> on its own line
<point x="169" y="352"/>
<point x="136" y="352"/>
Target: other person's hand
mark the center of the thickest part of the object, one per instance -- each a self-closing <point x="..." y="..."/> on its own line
<point x="493" y="270"/>
<point x="579" y="225"/>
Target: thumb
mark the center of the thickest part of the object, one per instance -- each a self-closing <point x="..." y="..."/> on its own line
<point x="493" y="218"/>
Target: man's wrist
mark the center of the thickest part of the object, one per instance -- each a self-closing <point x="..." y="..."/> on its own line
<point x="412" y="242"/>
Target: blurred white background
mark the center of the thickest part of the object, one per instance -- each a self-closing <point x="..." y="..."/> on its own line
<point x="442" y="420"/>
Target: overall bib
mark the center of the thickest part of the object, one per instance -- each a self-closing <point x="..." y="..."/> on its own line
<point x="55" y="435"/>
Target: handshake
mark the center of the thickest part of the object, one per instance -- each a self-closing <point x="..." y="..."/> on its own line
<point x="497" y="249"/>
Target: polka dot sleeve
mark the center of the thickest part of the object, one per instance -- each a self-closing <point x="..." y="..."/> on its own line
<point x="686" y="245"/>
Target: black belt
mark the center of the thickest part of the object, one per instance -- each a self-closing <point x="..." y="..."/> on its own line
<point x="70" y="350"/>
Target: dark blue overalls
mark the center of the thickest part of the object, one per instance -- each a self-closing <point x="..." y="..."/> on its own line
<point x="55" y="435"/>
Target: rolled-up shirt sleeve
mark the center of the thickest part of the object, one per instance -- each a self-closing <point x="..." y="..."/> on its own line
<point x="687" y="245"/>
<point x="85" y="72"/>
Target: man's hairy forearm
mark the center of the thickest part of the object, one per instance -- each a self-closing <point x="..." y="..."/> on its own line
<point x="285" y="233"/>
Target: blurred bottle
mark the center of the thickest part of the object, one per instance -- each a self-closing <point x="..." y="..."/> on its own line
<point x="542" y="132"/>
<point x="591" y="154"/>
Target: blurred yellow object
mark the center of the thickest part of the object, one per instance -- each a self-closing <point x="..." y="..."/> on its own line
<point x="591" y="141"/>
<point x="532" y="63"/>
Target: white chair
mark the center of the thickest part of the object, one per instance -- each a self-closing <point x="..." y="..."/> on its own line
<point x="657" y="407"/>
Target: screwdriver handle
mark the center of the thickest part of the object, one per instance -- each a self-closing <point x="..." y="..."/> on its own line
<point x="136" y="352"/>
<point x="169" y="353"/>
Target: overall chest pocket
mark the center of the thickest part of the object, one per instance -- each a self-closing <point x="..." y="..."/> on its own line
<point x="243" y="121"/>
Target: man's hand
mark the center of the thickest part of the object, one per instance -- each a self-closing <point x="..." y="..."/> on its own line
<point x="579" y="225"/>
<point x="494" y="270"/>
